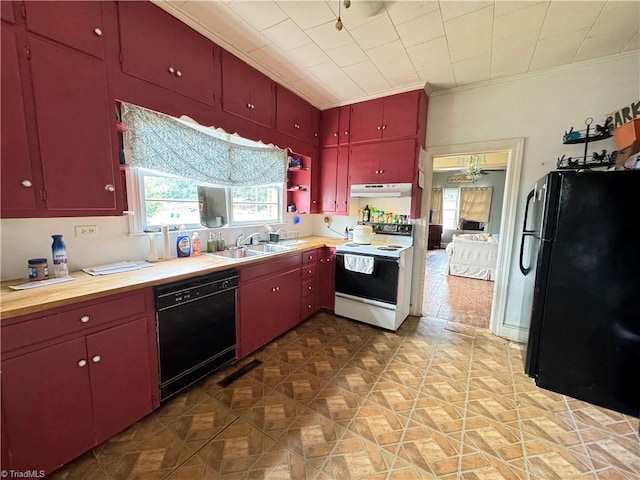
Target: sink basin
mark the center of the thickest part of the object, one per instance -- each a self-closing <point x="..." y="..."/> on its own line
<point x="237" y="254"/>
<point x="267" y="248"/>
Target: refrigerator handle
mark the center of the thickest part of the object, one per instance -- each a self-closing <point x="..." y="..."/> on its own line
<point x="525" y="233"/>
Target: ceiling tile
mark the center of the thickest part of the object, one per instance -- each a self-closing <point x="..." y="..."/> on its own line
<point x="512" y="56"/>
<point x="320" y="93"/>
<point x="258" y="14"/>
<point x="527" y="21"/>
<point x="215" y="16"/>
<point x="287" y="35"/>
<point x="559" y="50"/>
<point x="633" y="44"/>
<point x="600" y="46"/>
<point x="345" y="87"/>
<point x="472" y="25"/>
<point x="508" y="7"/>
<point x="565" y="17"/>
<point x="374" y="33"/>
<point x="470" y="47"/>
<point x="472" y="71"/>
<point x="308" y="55"/>
<point x="325" y="71"/>
<point x="388" y="53"/>
<point x="347" y="55"/>
<point x="244" y="38"/>
<point x="400" y="74"/>
<point x="368" y="77"/>
<point x="429" y="52"/>
<point x="619" y="17"/>
<point x="327" y="37"/>
<point x="421" y="29"/>
<point x="272" y="58"/>
<point x="438" y="75"/>
<point x="401" y="12"/>
<point x="451" y="10"/>
<point x="308" y="14"/>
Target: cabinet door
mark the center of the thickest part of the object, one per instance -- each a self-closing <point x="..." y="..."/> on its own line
<point x="400" y="117"/>
<point x="345" y="125"/>
<point x="367" y="120"/>
<point x="342" y="181"/>
<point x="328" y="176"/>
<point x="246" y="92"/>
<point x="330" y="127"/>
<point x="288" y="301"/>
<point x="6" y="11"/>
<point x="256" y="322"/>
<point x="82" y="27"/>
<point x="396" y="161"/>
<point x="363" y="163"/>
<point x="293" y="115"/>
<point x="47" y="404"/>
<point x="74" y="128"/>
<point x="120" y="377"/>
<point x="326" y="279"/>
<point x="18" y="189"/>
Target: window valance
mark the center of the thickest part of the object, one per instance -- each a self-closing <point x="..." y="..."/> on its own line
<point x="183" y="148"/>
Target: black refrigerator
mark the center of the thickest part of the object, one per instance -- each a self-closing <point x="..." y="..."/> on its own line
<point x="580" y="255"/>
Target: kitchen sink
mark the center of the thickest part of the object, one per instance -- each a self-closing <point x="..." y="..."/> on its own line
<point x="237" y="253"/>
<point x="268" y="248"/>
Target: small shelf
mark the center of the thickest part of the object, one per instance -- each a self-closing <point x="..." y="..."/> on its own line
<point x="302" y="169"/>
<point x="600" y="132"/>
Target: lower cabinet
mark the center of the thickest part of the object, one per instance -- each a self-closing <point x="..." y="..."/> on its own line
<point x="309" y="285"/>
<point x="65" y="395"/>
<point x="327" y="278"/>
<point x="269" y="302"/>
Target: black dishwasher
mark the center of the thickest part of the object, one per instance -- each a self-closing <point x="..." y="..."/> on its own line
<point x="196" y="328"/>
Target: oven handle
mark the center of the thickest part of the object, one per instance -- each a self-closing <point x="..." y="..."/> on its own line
<point x="376" y="258"/>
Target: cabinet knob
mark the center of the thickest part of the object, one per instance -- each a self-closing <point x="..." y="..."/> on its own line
<point x="277" y="289"/>
<point x="310" y="287"/>
<point x="335" y="134"/>
<point x="381" y="171"/>
<point x="310" y="257"/>
<point x="97" y="31"/>
<point x="26" y="183"/>
<point x="379" y="127"/>
<point x="248" y="105"/>
<point x="346" y="133"/>
<point x="296" y="125"/>
<point x="171" y="70"/>
<point x="310" y="271"/>
<point x="178" y="73"/>
<point x="95" y="359"/>
<point x="321" y="260"/>
<point x="384" y="127"/>
<point x="82" y="363"/>
<point x="84" y="318"/>
<point x="309" y="306"/>
<point x="109" y="188"/>
<point x="273" y="289"/>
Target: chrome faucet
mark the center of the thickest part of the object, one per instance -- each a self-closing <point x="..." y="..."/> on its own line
<point x="240" y="240"/>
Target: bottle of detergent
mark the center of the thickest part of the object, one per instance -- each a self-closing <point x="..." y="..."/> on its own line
<point x="183" y="243"/>
<point x="59" y="253"/>
<point x="195" y="244"/>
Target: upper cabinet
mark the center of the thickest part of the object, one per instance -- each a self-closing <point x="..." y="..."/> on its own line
<point x="293" y="115"/>
<point x="334" y="184"/>
<point x="335" y="126"/>
<point x="386" y="118"/>
<point x="383" y="162"/>
<point x="246" y="92"/>
<point x="158" y="48"/>
<point x="6" y="11"/>
<point x="82" y="28"/>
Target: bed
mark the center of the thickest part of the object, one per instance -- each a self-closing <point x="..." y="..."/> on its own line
<point x="473" y="255"/>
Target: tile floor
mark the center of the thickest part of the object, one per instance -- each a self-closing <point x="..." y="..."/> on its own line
<point x="455" y="299"/>
<point x="338" y="399"/>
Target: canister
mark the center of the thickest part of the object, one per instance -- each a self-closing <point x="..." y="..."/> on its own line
<point x="362" y="234"/>
<point x="38" y="269"/>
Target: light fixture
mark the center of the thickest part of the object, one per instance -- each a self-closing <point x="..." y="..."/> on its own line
<point x="347" y="4"/>
<point x="470" y="165"/>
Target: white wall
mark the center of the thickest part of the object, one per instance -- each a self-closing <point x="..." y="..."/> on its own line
<point x="540" y="108"/>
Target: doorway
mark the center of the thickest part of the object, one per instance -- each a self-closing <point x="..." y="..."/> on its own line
<point x="514" y="149"/>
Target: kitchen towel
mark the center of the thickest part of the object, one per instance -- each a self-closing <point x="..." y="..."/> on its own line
<point x="358" y="263"/>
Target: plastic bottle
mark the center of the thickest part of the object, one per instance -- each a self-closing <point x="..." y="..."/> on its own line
<point x="195" y="244"/>
<point x="212" y="245"/>
<point x="183" y="243"/>
<point x="59" y="253"/>
<point x="366" y="214"/>
<point x="221" y="246"/>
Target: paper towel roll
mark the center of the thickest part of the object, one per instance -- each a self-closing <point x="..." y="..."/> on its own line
<point x="166" y="244"/>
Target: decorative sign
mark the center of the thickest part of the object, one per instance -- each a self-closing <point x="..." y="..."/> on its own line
<point x="625" y="114"/>
<point x="460" y="178"/>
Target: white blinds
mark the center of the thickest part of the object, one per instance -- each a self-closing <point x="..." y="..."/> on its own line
<point x="166" y="144"/>
<point x="475" y="204"/>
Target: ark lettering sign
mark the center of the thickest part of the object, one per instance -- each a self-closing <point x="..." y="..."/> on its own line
<point x="625" y="114"/>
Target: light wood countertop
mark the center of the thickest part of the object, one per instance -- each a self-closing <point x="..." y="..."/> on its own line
<point x="15" y="303"/>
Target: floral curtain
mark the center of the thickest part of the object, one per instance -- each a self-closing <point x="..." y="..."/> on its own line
<point x="475" y="204"/>
<point x="170" y="145"/>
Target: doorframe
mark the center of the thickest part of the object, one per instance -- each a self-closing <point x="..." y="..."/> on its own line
<point x="515" y="149"/>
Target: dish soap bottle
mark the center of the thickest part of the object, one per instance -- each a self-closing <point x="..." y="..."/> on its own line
<point x="220" y="243"/>
<point x="59" y="253"/>
<point x="195" y="244"/>
<point x="212" y="245"/>
<point x="183" y="244"/>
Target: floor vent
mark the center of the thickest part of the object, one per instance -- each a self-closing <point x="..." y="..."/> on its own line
<point x="229" y="379"/>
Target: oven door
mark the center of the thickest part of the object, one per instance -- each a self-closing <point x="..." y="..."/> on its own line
<point x="381" y="285"/>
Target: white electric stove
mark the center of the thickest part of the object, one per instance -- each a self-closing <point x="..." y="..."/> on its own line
<point x="373" y="281"/>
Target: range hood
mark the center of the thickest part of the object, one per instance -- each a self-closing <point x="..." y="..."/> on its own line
<point x="381" y="190"/>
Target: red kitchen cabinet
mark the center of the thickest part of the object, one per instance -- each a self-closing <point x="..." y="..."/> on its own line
<point x="73" y="377"/>
<point x="6" y="11"/>
<point x="19" y="187"/>
<point x="82" y="28"/>
<point x="383" y="162"/>
<point x="334" y="180"/>
<point x="316" y="123"/>
<point x="309" y="285"/>
<point x="335" y="126"/>
<point x="293" y="115"/>
<point x="76" y="131"/>
<point x="269" y="302"/>
<point x="160" y="49"/>
<point x="300" y="185"/>
<point x="246" y="92"/>
<point x="386" y="118"/>
<point x="326" y="279"/>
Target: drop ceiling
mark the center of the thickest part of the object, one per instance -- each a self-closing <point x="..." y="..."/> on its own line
<point x="394" y="46"/>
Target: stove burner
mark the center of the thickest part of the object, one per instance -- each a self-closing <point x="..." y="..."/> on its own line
<point x="351" y="244"/>
<point x="389" y="248"/>
<point x="395" y="246"/>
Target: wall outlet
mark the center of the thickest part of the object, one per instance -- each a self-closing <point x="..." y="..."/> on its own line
<point x="86" y="230"/>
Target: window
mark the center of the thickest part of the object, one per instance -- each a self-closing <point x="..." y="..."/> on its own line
<point x="163" y="199"/>
<point x="450" y="208"/>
